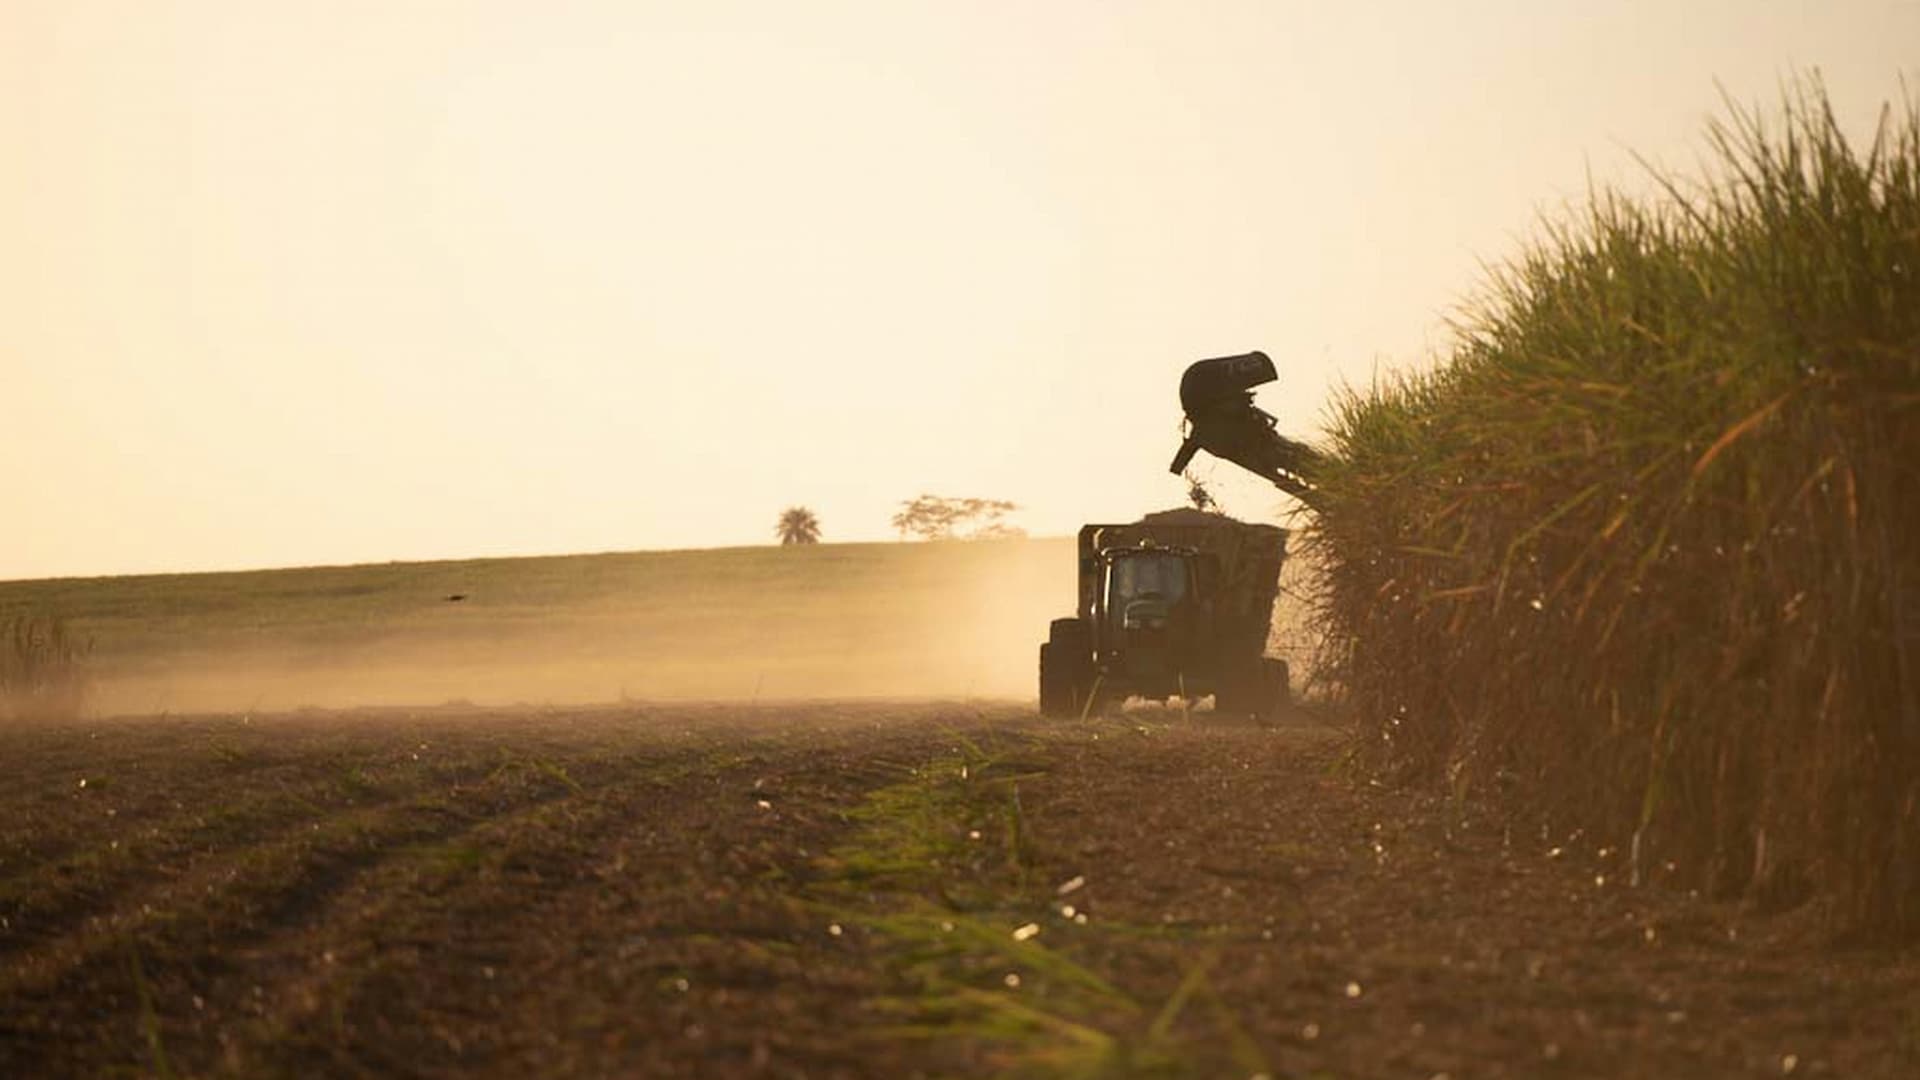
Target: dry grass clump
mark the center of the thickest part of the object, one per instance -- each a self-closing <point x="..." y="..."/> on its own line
<point x="43" y="669"/>
<point x="1644" y="551"/>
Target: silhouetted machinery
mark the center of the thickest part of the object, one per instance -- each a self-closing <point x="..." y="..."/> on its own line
<point x="1217" y="395"/>
<point x="1175" y="605"/>
<point x="1179" y="604"/>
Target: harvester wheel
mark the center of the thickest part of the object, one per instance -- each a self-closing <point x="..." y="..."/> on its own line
<point x="1056" y="684"/>
<point x="1275" y="688"/>
<point x="1071" y="635"/>
<point x="1066" y="668"/>
<point x="1230" y="696"/>
<point x="1257" y="690"/>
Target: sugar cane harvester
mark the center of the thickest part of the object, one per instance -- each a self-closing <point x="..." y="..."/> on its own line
<point x="1179" y="604"/>
<point x="1217" y="396"/>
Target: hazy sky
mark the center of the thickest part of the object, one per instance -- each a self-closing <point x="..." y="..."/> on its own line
<point x="339" y="281"/>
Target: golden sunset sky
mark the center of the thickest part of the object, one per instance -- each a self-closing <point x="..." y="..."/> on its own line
<point x="287" y="283"/>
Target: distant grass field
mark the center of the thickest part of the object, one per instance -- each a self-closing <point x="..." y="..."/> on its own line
<point x="890" y="619"/>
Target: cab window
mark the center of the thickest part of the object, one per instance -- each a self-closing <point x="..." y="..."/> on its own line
<point x="1160" y="577"/>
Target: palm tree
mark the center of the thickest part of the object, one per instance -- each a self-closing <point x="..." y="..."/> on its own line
<point x="797" y="526"/>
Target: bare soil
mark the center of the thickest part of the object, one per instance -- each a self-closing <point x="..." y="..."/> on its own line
<point x="853" y="890"/>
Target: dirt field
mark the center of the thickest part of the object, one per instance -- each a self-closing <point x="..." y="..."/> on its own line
<point x="860" y="890"/>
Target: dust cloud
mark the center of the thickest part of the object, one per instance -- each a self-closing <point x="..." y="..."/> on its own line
<point x="951" y="619"/>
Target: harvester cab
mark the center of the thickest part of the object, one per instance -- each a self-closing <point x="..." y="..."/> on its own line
<point x="1217" y="396"/>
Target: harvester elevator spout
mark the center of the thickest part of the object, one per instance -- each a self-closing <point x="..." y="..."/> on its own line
<point x="1217" y="396"/>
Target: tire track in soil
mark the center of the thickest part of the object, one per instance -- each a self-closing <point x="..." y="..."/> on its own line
<point x="382" y="919"/>
<point x="149" y="770"/>
<point x="49" y="1001"/>
<point x="164" y="770"/>
<point x="51" y="828"/>
<point x="187" y="847"/>
<point x="670" y="913"/>
<point x="199" y="763"/>
<point x="222" y="954"/>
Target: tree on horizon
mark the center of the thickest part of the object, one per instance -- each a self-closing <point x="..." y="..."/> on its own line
<point x="798" y="525"/>
<point x="937" y="517"/>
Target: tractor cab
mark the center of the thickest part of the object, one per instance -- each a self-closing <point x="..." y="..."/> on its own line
<point x="1147" y="620"/>
<point x="1144" y="585"/>
<point x="1176" y="605"/>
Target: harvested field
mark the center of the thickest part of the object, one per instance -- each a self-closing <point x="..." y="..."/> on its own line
<point x="877" y="889"/>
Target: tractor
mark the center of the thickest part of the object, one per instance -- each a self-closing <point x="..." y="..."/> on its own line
<point x="1174" y="606"/>
<point x="1178" y="604"/>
